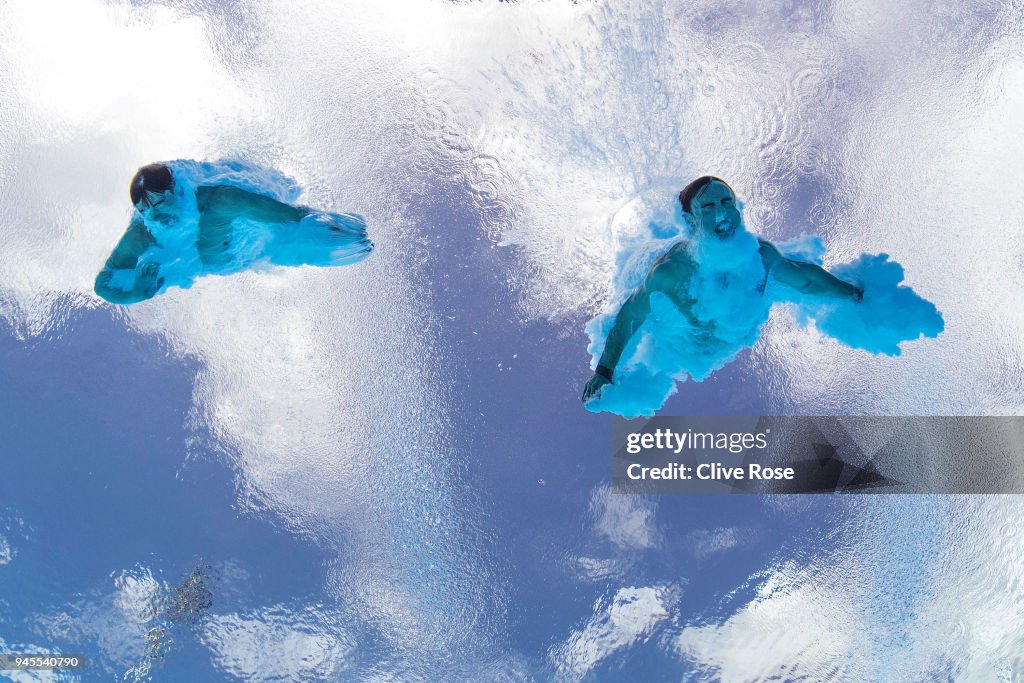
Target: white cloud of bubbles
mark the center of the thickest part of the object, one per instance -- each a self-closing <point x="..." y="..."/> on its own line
<point x="917" y="589"/>
<point x="114" y="622"/>
<point x="131" y="634"/>
<point x="629" y="617"/>
<point x="624" y="526"/>
<point x="279" y="643"/>
<point x="707" y="542"/>
<point x="625" y="520"/>
<point x="6" y="552"/>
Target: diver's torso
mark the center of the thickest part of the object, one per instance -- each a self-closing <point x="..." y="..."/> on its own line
<point x="721" y="288"/>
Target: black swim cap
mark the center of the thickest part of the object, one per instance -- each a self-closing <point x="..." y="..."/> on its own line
<point x="152" y="178"/>
<point x="694" y="188"/>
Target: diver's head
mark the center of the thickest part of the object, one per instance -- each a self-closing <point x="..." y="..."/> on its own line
<point x="152" y="185"/>
<point x="712" y="205"/>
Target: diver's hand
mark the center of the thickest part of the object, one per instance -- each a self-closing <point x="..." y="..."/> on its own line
<point x="147" y="280"/>
<point x="594" y="387"/>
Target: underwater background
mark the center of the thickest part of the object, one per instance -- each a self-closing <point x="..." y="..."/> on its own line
<point x="383" y="472"/>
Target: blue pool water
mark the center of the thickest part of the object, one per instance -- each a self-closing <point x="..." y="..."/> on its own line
<point x="383" y="471"/>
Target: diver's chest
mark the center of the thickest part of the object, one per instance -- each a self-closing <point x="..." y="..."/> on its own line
<point x="719" y="283"/>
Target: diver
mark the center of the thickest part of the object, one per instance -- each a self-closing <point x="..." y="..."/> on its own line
<point x="197" y="218"/>
<point x="716" y="281"/>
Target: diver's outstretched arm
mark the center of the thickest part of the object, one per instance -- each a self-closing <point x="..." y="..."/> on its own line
<point x="628" y="320"/>
<point x="812" y="279"/>
<point x="230" y="201"/>
<point x="807" y="277"/>
<point x="122" y="280"/>
<point x="669" y="275"/>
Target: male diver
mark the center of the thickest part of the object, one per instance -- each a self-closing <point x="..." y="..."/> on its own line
<point x="715" y="281"/>
<point x="193" y="219"/>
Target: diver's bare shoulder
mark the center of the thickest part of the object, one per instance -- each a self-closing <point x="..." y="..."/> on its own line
<point x="215" y="199"/>
<point x="228" y="202"/>
<point x="672" y="271"/>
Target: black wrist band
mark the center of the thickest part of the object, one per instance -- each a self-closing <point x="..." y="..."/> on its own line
<point x="604" y="371"/>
